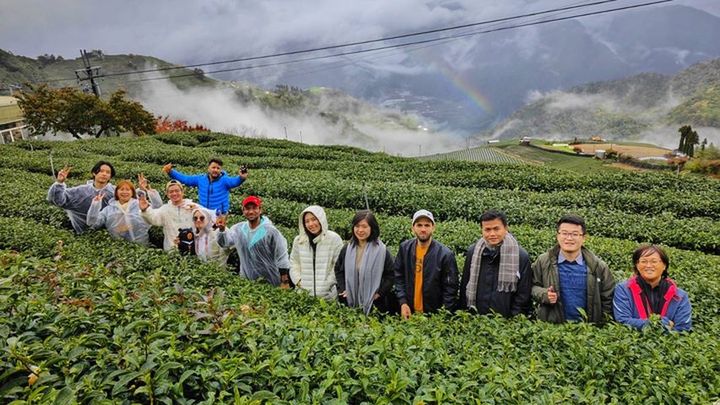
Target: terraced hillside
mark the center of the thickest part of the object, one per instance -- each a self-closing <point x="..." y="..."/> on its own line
<point x="103" y="321"/>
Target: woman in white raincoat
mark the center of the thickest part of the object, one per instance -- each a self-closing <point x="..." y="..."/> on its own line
<point x="121" y="217"/>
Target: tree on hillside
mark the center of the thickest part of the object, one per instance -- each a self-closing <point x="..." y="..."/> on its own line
<point x="688" y="140"/>
<point x="130" y="115"/>
<point x="70" y="110"/>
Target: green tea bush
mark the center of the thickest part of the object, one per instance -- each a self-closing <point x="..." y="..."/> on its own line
<point x="89" y="319"/>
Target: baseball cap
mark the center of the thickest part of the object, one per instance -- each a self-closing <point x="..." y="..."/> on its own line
<point x="174" y="183"/>
<point x="423" y="214"/>
<point x="252" y="200"/>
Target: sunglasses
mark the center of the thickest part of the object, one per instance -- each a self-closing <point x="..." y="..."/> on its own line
<point x="198" y="218"/>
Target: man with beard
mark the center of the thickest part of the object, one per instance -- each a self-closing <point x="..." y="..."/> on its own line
<point x="426" y="274"/>
<point x="213" y="187"/>
<point x="262" y="249"/>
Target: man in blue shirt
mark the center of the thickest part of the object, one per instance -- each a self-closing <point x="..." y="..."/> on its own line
<point x="569" y="279"/>
<point x="213" y="187"/>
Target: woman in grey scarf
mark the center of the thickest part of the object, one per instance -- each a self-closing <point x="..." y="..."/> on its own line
<point x="364" y="269"/>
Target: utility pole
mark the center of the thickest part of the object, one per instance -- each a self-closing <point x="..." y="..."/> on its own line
<point x="285" y="128"/>
<point x="89" y="73"/>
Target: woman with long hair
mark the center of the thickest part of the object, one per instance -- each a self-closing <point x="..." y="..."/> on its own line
<point x="364" y="270"/>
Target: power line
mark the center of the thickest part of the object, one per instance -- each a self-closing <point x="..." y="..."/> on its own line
<point x="349" y="61"/>
<point x="406" y="44"/>
<point x="357" y="43"/>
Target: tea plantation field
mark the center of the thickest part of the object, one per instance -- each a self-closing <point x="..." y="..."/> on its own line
<point x="88" y="319"/>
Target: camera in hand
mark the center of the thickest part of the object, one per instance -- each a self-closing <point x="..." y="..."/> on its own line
<point x="186" y="246"/>
<point x="243" y="169"/>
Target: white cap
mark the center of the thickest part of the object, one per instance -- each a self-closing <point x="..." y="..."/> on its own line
<point x="423" y="214"/>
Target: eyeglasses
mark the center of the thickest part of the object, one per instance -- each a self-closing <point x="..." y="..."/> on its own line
<point x="572" y="235"/>
<point x="198" y="218"/>
<point x="653" y="262"/>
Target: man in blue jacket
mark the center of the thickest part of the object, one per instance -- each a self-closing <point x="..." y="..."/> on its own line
<point x="213" y="187"/>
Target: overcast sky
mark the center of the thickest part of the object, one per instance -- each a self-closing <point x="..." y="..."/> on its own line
<point x="184" y="31"/>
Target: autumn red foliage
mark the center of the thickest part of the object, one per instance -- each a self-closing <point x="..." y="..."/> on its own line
<point x="164" y="124"/>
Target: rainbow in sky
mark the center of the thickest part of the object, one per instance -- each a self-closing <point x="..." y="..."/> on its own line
<point x="460" y="82"/>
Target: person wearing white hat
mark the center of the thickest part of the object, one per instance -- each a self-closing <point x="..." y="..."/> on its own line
<point x="426" y="274"/>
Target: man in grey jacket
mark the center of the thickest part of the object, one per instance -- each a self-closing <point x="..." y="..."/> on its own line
<point x="569" y="279"/>
<point x="76" y="200"/>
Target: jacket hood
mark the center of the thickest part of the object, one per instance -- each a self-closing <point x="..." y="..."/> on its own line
<point x="116" y="203"/>
<point x="209" y="220"/>
<point x="319" y="213"/>
<point x="109" y="185"/>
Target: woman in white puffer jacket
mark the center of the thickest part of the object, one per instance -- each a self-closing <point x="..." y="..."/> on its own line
<point x="314" y="253"/>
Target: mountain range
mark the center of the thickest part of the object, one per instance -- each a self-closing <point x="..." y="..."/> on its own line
<point x="473" y="84"/>
<point x="315" y="115"/>
<point x="633" y="75"/>
<point x="647" y="106"/>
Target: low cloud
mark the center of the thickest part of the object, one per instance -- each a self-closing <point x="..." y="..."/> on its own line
<point x="669" y="137"/>
<point x="220" y="110"/>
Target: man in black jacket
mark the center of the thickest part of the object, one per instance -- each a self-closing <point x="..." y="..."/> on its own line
<point x="497" y="276"/>
<point x="426" y="275"/>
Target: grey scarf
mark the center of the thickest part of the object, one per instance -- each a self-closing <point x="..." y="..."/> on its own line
<point x="362" y="285"/>
<point x="507" y="273"/>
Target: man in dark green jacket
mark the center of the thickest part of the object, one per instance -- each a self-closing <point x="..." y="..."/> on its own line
<point x="569" y="277"/>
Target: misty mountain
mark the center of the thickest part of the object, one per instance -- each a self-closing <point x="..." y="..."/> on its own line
<point x="646" y="105"/>
<point x="475" y="83"/>
<point x="315" y="115"/>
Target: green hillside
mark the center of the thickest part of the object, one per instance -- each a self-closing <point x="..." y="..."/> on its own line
<point x="484" y="154"/>
<point x="621" y="109"/>
<point x="702" y="109"/>
<point x="350" y="120"/>
<point x="104" y="321"/>
<point x="20" y="70"/>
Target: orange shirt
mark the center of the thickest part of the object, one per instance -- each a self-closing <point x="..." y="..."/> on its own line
<point x="419" y="256"/>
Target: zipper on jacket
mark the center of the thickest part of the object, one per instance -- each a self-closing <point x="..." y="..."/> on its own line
<point x="207" y="198"/>
<point x="314" y="278"/>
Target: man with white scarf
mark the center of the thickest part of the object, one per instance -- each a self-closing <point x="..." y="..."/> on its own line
<point x="497" y="276"/>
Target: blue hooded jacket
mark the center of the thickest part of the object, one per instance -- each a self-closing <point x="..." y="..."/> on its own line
<point x="213" y="195"/>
